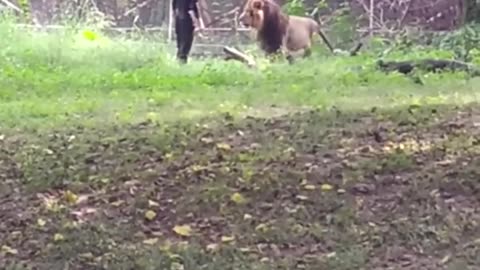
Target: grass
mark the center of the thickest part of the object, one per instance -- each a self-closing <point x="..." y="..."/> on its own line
<point x="340" y="167"/>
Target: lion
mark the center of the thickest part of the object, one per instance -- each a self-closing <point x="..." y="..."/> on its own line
<point x="279" y="32"/>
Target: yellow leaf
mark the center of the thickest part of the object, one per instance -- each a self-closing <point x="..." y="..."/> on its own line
<point x="150" y="241"/>
<point x="89" y="35"/>
<point x="183" y="230"/>
<point x="41" y="222"/>
<point x="226" y="239"/>
<point x="58" y="237"/>
<point x="327" y="187"/>
<point x="223" y="146"/>
<point x="261" y="227"/>
<point x="52" y="205"/>
<point x="70" y="197"/>
<point x="150" y="215"/>
<point x="237" y="198"/>
<point x="309" y="187"/>
<point x="70" y="225"/>
<point x="8" y="250"/>
<point x="245" y="249"/>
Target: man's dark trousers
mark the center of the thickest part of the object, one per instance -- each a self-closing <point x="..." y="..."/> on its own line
<point x="184" y="32"/>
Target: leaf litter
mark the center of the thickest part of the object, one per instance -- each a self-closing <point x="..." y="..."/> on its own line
<point x="310" y="188"/>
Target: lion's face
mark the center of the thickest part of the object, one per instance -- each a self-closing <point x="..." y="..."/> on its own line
<point x="253" y="14"/>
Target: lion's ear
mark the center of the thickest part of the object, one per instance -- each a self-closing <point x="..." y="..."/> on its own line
<point x="258" y="4"/>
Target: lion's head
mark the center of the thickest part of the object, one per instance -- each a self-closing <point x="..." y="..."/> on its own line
<point x="253" y="14"/>
<point x="267" y="18"/>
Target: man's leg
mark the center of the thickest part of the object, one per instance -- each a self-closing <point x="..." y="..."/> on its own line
<point x="188" y="38"/>
<point x="179" y="32"/>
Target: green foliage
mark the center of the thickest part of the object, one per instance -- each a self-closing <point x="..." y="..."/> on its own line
<point x="294" y="7"/>
<point x="464" y="42"/>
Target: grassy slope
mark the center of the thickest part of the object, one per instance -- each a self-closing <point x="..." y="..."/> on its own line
<point x="74" y="117"/>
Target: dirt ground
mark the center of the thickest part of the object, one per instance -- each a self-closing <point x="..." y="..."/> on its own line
<point x="315" y="190"/>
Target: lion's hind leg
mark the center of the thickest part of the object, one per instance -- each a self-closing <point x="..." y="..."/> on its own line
<point x="307" y="52"/>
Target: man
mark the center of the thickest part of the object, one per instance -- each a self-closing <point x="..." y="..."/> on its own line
<point x="186" y="23"/>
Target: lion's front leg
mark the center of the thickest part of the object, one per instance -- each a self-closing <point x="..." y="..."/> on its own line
<point x="285" y="51"/>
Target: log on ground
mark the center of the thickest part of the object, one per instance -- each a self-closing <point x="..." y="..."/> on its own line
<point x="429" y="65"/>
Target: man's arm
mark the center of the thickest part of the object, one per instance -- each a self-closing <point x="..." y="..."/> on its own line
<point x="193" y="12"/>
<point x="193" y="6"/>
<point x="195" y="15"/>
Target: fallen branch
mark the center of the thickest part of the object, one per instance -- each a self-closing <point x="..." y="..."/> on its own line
<point x="234" y="54"/>
<point x="429" y="65"/>
<point x="353" y="52"/>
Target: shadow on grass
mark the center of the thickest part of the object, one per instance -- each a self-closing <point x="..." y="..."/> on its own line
<point x="312" y="190"/>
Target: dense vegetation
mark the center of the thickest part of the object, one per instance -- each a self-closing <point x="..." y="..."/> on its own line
<point x="112" y="156"/>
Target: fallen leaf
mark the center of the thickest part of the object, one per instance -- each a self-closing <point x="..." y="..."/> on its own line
<point x="331" y="254"/>
<point x="183" y="230"/>
<point x="261" y="227"/>
<point x="206" y="140"/>
<point x="223" y="146"/>
<point x="326" y="187"/>
<point x="84" y="211"/>
<point x="117" y="203"/>
<point x="150" y="215"/>
<point x="309" y="187"/>
<point x="58" y="237"/>
<point x="8" y="250"/>
<point x="51" y="204"/>
<point x="445" y="259"/>
<point x="87" y="255"/>
<point x="41" y="222"/>
<point x="150" y="241"/>
<point x="212" y="247"/>
<point x="226" y="239"/>
<point x="247" y="217"/>
<point x="245" y="249"/>
<point x="302" y="198"/>
<point x="70" y="197"/>
<point x="153" y="203"/>
<point x="238" y="198"/>
<point x="89" y="35"/>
